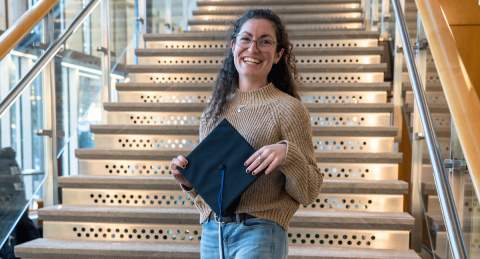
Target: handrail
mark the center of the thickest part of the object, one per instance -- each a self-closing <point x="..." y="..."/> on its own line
<point x="447" y="203"/>
<point x="11" y="37"/>
<point x="46" y="57"/>
<point x="459" y="92"/>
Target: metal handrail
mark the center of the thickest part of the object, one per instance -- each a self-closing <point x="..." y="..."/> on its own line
<point x="46" y="57"/>
<point x="447" y="203"/>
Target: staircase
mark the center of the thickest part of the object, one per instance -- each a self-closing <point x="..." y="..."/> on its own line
<point x="125" y="204"/>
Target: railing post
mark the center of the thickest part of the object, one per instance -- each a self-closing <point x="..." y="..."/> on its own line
<point x="375" y="20"/>
<point x="457" y="180"/>
<point x="417" y="146"/>
<point x="107" y="56"/>
<point x="385" y="15"/>
<point x="368" y="14"/>
<point x="397" y="83"/>
<point x="50" y="186"/>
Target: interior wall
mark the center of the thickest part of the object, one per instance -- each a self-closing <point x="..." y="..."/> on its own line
<point x="463" y="16"/>
<point x="3" y="15"/>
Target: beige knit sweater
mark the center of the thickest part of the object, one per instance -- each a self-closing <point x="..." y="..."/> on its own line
<point x="271" y="117"/>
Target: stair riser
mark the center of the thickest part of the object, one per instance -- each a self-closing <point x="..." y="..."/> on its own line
<point x="320" y="59"/>
<point x="202" y="97"/>
<point x="335" y="14"/>
<point x="306" y="26"/>
<point x="169" y="199"/>
<point x="277" y="6"/>
<point x="374" y="239"/>
<point x="160" y="168"/>
<point x="189" y="142"/>
<point x="339" y="171"/>
<point x="468" y="206"/>
<point x="318" y="43"/>
<point x="329" y="77"/>
<point x="444" y="146"/>
<point x="432" y="77"/>
<point x="193" y="118"/>
<point x="439" y="119"/>
<point x="432" y="97"/>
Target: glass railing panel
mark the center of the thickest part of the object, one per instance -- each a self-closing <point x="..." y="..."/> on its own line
<point x="21" y="154"/>
<point x="80" y="92"/>
<point x="169" y="16"/>
<point x="25" y="151"/>
<point x="433" y="235"/>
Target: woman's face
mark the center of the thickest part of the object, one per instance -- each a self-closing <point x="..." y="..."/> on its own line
<point x="251" y="63"/>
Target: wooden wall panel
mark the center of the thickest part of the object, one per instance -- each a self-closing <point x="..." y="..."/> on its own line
<point x="468" y="44"/>
<point x="461" y="11"/>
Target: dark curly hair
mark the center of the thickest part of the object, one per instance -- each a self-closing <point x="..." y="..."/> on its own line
<point x="283" y="75"/>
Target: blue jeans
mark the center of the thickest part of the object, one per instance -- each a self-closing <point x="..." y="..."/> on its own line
<point x="255" y="238"/>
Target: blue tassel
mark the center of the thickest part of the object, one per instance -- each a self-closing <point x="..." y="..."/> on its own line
<point x="222" y="256"/>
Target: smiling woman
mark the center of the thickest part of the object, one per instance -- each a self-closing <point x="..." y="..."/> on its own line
<point x="256" y="91"/>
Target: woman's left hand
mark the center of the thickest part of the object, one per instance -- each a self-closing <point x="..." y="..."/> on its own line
<point x="273" y="155"/>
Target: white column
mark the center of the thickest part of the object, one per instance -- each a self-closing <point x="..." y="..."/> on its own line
<point x="73" y="85"/>
<point x="5" y="123"/>
<point x="25" y="119"/>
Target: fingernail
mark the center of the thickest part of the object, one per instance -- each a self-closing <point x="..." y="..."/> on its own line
<point x="254" y="173"/>
<point x="245" y="163"/>
<point x="183" y="167"/>
<point x="186" y="162"/>
<point x="248" y="171"/>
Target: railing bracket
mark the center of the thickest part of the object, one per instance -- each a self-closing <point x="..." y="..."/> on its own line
<point x="455" y="164"/>
<point x="49" y="133"/>
<point x="418" y="136"/>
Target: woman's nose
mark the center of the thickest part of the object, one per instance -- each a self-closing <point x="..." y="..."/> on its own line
<point x="252" y="48"/>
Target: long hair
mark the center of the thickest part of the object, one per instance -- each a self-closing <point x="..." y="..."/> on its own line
<point x="284" y="74"/>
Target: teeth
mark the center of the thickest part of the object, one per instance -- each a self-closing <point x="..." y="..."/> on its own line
<point x="251" y="60"/>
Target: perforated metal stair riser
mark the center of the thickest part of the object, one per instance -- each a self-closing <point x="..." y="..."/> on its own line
<point x="125" y="204"/>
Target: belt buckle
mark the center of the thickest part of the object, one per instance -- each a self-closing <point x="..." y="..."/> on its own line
<point x="215" y="217"/>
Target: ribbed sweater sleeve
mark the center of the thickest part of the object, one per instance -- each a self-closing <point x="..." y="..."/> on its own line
<point x="303" y="179"/>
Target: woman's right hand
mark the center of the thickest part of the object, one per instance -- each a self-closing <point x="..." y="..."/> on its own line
<point x="182" y="162"/>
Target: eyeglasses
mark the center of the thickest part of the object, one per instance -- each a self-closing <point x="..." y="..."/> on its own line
<point x="264" y="45"/>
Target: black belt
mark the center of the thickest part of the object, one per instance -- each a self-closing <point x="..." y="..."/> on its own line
<point x="242" y="217"/>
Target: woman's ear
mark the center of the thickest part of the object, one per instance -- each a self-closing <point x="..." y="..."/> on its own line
<point x="232" y="45"/>
<point x="278" y="56"/>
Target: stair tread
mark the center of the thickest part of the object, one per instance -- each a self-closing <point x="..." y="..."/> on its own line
<point x="294" y="35"/>
<point x="429" y="188"/>
<point x="388" y="131"/>
<point x="214" y="68"/>
<point x="168" y="183"/>
<point x="211" y="52"/>
<point x="79" y="249"/>
<point x="433" y="107"/>
<point x="199" y="107"/>
<point x="286" y="20"/>
<point x="271" y="2"/>
<point x="468" y="222"/>
<point x="430" y="87"/>
<point x="335" y="87"/>
<point x="156" y="155"/>
<point x="442" y="132"/>
<point x="279" y="11"/>
<point x="303" y="218"/>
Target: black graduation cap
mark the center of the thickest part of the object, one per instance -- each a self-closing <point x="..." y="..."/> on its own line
<point x="224" y="149"/>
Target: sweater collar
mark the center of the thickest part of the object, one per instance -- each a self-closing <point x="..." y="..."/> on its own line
<point x="256" y="97"/>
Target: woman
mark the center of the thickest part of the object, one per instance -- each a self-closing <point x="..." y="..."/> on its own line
<point x="256" y="91"/>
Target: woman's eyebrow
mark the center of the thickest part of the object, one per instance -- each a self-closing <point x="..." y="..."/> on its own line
<point x="249" y="34"/>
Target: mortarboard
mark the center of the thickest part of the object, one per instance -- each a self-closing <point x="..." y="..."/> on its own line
<point x="216" y="168"/>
